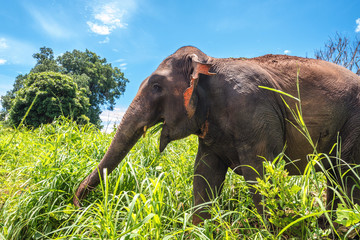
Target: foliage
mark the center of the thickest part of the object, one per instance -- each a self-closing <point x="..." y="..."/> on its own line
<point x="45" y="61"/>
<point x="342" y="50"/>
<point x="57" y="94"/>
<point x="149" y="195"/>
<point x="103" y="84"/>
<point x="348" y="217"/>
<point x="6" y="100"/>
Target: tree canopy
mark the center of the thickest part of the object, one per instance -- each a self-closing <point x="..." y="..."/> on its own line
<point x="101" y="83"/>
<point x="57" y="95"/>
<point x="104" y="83"/>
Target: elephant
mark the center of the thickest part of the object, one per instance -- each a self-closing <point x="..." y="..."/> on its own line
<point x="238" y="123"/>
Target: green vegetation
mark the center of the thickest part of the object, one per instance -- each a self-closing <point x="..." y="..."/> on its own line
<point x="149" y="196"/>
<point x="100" y="83"/>
<point x="57" y="95"/>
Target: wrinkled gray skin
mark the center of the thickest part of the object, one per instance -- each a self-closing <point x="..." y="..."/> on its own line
<point x="237" y="121"/>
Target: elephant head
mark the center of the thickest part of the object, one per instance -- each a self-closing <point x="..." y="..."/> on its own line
<point x="172" y="95"/>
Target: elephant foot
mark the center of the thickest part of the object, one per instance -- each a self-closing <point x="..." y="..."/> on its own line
<point x="323" y="222"/>
<point x="198" y="218"/>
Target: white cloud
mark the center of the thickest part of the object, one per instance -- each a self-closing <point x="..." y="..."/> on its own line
<point x="48" y="22"/>
<point x="110" y="16"/>
<point x="111" y="118"/>
<point x="358" y="25"/>
<point x="99" y="29"/>
<point x="106" y="40"/>
<point x="2" y="61"/>
<point x="14" y="51"/>
<point x="3" y="43"/>
<point x="287" y="52"/>
<point x="120" y="60"/>
<point x="123" y="66"/>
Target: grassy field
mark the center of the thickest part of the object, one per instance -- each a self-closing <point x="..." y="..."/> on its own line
<point x="149" y="195"/>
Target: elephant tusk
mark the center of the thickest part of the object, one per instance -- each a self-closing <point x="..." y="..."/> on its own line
<point x="145" y="128"/>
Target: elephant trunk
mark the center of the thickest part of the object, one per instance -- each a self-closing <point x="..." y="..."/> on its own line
<point x="129" y="131"/>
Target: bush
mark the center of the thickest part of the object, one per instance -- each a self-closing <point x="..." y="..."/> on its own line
<point x="57" y="95"/>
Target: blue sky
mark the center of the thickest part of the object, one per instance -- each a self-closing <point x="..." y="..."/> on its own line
<point x="136" y="35"/>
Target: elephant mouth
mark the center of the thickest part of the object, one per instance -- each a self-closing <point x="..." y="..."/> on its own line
<point x="164" y="137"/>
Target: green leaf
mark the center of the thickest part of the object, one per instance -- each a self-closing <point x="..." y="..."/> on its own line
<point x="348" y="217"/>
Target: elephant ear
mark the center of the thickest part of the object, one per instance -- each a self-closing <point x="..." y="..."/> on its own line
<point x="190" y="99"/>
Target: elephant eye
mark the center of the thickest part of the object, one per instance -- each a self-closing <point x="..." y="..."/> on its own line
<point x="156" y="87"/>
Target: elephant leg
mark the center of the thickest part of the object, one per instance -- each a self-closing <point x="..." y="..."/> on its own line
<point x="251" y="158"/>
<point x="209" y="174"/>
<point x="351" y="175"/>
<point x="345" y="178"/>
<point x="342" y="178"/>
<point x="333" y="182"/>
<point x="344" y="173"/>
<point x="250" y="173"/>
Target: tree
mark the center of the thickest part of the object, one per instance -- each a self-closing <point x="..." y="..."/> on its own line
<point x="6" y="100"/>
<point x="57" y="95"/>
<point x="102" y="83"/>
<point x="343" y="51"/>
<point x="45" y="61"/>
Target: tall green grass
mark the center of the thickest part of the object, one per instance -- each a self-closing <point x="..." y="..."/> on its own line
<point x="149" y="195"/>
